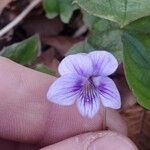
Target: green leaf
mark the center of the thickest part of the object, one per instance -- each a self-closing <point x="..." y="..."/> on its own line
<point x="110" y="41"/>
<point x="137" y="59"/>
<point x="51" y="7"/>
<point x="121" y="11"/>
<point x="80" y="47"/>
<point x="137" y="67"/>
<point x="105" y="35"/>
<point x="64" y="8"/>
<point x="140" y="26"/>
<point x="43" y="68"/>
<point x="24" y="52"/>
<point x="89" y="20"/>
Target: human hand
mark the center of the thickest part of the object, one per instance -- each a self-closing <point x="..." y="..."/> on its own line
<point x="27" y="117"/>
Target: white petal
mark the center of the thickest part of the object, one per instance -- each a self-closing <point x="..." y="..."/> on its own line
<point x="65" y="89"/>
<point x="88" y="109"/>
<point x="109" y="93"/>
<point x="79" y="64"/>
<point x="104" y="63"/>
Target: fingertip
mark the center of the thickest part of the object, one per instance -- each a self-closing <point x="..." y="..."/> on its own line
<point x="95" y="141"/>
<point x="112" y="141"/>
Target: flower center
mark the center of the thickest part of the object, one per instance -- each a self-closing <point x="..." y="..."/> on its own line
<point x="89" y="83"/>
<point x="88" y="92"/>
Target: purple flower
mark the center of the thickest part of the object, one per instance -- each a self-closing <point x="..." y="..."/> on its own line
<point x="84" y="81"/>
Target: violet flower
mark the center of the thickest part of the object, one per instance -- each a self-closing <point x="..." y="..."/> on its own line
<point x="84" y="81"/>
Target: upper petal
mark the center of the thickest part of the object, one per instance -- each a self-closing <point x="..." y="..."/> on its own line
<point x="108" y="91"/>
<point x="65" y="89"/>
<point x="104" y="63"/>
<point x="79" y="64"/>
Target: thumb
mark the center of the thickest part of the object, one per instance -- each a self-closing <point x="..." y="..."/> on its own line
<point x="105" y="140"/>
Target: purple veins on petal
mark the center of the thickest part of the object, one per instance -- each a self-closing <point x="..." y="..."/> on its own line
<point x="108" y="91"/>
<point x="79" y="64"/>
<point x="88" y="101"/>
<point x="65" y="89"/>
<point x="103" y="62"/>
<point x="105" y="90"/>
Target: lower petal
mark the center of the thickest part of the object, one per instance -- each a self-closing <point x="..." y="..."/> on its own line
<point x="65" y="89"/>
<point x="108" y="91"/>
<point x="88" y="109"/>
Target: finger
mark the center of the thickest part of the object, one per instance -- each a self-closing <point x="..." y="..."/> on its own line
<point x="27" y="116"/>
<point x="25" y="113"/>
<point x="95" y="141"/>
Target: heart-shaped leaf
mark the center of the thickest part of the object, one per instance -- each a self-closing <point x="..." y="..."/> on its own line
<point x="24" y="52"/>
<point x="104" y="35"/>
<point x="137" y="67"/>
<point x="121" y="11"/>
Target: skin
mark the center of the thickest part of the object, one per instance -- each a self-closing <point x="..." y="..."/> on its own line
<point x="27" y="117"/>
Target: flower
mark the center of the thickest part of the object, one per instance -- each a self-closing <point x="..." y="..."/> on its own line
<point x="84" y="80"/>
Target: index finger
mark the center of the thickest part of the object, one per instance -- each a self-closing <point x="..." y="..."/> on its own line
<point x="27" y="116"/>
